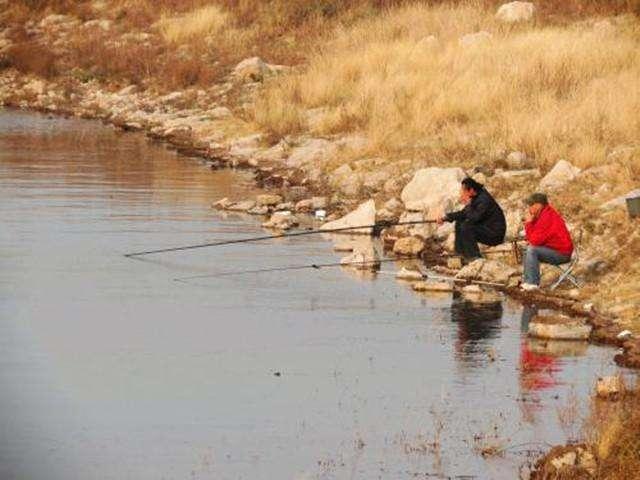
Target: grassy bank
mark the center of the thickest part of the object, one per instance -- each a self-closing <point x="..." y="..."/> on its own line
<point x="406" y="80"/>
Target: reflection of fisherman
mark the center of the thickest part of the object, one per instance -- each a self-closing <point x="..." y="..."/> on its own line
<point x="536" y="369"/>
<point x="476" y="323"/>
<point x="481" y="220"/>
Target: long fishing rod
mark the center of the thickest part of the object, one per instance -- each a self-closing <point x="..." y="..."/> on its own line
<point x="376" y="227"/>
<point x="315" y="266"/>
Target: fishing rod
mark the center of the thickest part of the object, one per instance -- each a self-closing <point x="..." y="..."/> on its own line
<point x="376" y="228"/>
<point x="315" y="266"/>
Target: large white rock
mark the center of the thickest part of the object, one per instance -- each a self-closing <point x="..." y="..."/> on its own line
<point x="365" y="214"/>
<point x="515" y="12"/>
<point x="432" y="187"/>
<point x="562" y="173"/>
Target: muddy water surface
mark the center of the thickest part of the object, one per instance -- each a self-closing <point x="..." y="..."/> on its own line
<point x="111" y="370"/>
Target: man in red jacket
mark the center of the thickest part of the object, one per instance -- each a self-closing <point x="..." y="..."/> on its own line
<point x="548" y="237"/>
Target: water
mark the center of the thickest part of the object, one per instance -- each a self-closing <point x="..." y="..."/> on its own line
<point x="111" y="370"/>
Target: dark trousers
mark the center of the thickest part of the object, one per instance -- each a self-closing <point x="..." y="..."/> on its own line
<point x="468" y="235"/>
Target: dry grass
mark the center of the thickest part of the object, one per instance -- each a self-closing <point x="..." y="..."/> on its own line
<point x="554" y="92"/>
<point x="615" y="438"/>
<point x="193" y="25"/>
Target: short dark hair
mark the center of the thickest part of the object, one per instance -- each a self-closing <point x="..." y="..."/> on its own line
<point x="470" y="183"/>
<point x="537" y="197"/>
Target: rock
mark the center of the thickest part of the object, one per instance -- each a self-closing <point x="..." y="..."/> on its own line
<point x="102" y="24"/>
<point x="562" y="173"/>
<point x="392" y="185"/>
<point x="514" y="225"/>
<point x="312" y="151"/>
<point x="515" y="12"/>
<point x="241" y="206"/>
<point x="518" y="161"/>
<point x="432" y="286"/>
<point x="472" y="39"/>
<point x="571" y="461"/>
<point x="394" y="205"/>
<point x="222" y="203"/>
<point x="517" y="174"/>
<point x="365" y="214"/>
<point x="126" y="91"/>
<point x="384" y="215"/>
<point x="281" y="221"/>
<point x="488" y="271"/>
<point x="304" y="206"/>
<point x="319" y="203"/>
<point x="284" y="206"/>
<point x="268" y="200"/>
<point x="406" y="274"/>
<point x="171" y="97"/>
<point x="56" y="19"/>
<point x="409" y="246"/>
<point x="454" y="263"/>
<point x="245" y="147"/>
<point x="375" y="180"/>
<point x="473" y="289"/>
<point x="258" y="210"/>
<point x="364" y="257"/>
<point x="219" y="112"/>
<point x="252" y="69"/>
<point x="559" y="328"/>
<point x="432" y="187"/>
<point x="611" y="387"/>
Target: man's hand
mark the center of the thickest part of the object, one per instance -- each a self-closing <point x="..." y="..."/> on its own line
<point x="529" y="217"/>
<point x="440" y="220"/>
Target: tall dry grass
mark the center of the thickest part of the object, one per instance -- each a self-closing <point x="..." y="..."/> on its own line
<point x="554" y="92"/>
<point x="193" y="25"/>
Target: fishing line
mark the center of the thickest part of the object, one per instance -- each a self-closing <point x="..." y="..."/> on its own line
<point x="315" y="266"/>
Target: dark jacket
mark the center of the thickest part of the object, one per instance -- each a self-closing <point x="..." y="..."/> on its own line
<point x="482" y="210"/>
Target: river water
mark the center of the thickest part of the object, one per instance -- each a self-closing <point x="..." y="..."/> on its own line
<point x="109" y="369"/>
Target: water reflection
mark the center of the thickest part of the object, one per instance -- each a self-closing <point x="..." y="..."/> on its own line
<point x="477" y="323"/>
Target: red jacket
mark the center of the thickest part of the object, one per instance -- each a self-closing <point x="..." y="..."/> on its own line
<point x="549" y="230"/>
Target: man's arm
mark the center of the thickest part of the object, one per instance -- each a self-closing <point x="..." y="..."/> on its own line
<point x="455" y="216"/>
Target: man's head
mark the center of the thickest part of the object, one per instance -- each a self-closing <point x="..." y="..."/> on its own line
<point x="469" y="189"/>
<point x="536" y="202"/>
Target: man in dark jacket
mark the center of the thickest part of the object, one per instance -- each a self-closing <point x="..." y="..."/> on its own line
<point x="481" y="220"/>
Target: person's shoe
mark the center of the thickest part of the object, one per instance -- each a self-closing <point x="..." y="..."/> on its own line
<point x="529" y="287"/>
